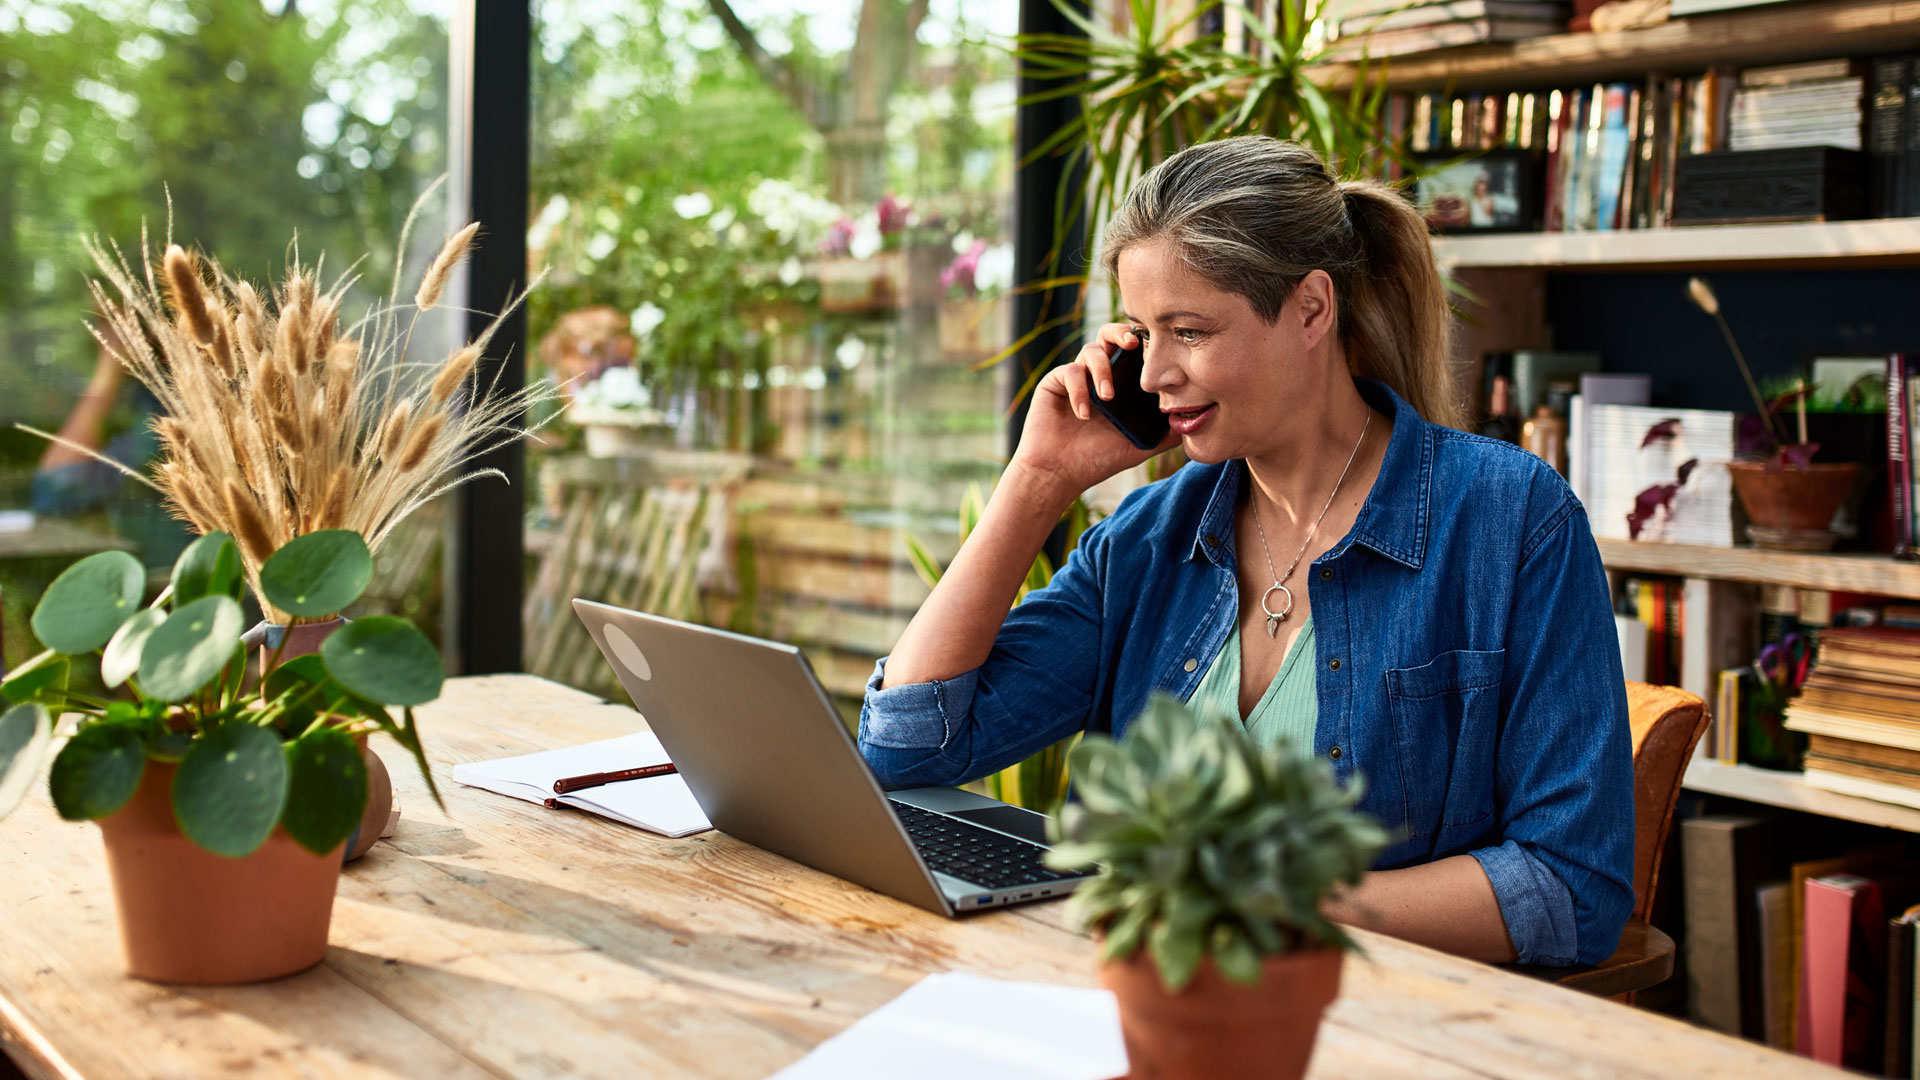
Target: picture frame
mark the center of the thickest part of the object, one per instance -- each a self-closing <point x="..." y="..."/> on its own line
<point x="1493" y="191"/>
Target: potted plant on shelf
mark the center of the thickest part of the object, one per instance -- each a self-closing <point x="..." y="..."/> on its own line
<point x="1789" y="500"/>
<point x="1215" y="855"/>
<point x="224" y="801"/>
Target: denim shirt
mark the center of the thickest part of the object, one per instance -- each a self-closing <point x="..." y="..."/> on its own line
<point x="1466" y="667"/>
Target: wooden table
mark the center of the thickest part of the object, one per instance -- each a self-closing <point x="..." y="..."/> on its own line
<point x="501" y="939"/>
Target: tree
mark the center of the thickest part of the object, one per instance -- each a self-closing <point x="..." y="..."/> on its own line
<point x="845" y="102"/>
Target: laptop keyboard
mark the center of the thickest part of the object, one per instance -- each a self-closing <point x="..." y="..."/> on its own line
<point x="984" y="857"/>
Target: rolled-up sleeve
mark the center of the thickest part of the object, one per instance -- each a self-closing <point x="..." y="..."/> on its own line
<point x="1563" y="873"/>
<point x="1035" y="688"/>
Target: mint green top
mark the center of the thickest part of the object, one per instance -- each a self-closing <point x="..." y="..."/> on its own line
<point x="1287" y="712"/>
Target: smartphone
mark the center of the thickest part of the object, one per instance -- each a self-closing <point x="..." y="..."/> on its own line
<point x="1133" y="410"/>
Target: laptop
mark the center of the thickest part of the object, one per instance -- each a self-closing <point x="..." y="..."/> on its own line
<point x="767" y="757"/>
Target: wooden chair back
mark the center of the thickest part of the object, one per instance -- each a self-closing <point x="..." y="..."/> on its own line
<point x="1666" y="723"/>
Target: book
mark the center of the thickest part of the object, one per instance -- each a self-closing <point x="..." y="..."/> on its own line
<point x="1723" y="858"/>
<point x="1834" y="1013"/>
<point x="1454" y="11"/>
<point x="1903" y="935"/>
<point x="1863" y="788"/>
<point x="1415" y="39"/>
<point x="1853" y="726"/>
<point x="1776" y="965"/>
<point x="1887" y="119"/>
<point x="661" y="804"/>
<point x="1899" y="474"/>
<point x="1804" y="71"/>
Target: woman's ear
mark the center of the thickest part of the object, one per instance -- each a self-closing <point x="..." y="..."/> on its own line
<point x="1317" y="307"/>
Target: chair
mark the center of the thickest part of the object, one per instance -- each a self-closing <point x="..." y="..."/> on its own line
<point x="1666" y="723"/>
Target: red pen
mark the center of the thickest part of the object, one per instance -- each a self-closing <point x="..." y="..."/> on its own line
<point x="591" y="780"/>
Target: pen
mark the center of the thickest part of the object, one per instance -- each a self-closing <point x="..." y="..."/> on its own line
<point x="576" y="783"/>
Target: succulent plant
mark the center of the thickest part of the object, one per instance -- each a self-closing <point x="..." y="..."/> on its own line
<point x="1208" y="844"/>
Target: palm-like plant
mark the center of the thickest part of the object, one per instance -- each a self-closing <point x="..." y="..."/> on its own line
<point x="1146" y="93"/>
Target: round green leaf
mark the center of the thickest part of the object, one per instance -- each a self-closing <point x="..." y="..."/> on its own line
<point x="328" y="790"/>
<point x="97" y="771"/>
<point x="384" y="659"/>
<point x="231" y="788"/>
<point x="122" y="657"/>
<point x="89" y="601"/>
<point x="209" y="567"/>
<point x="190" y="648"/>
<point x="317" y="574"/>
<point x="25" y="731"/>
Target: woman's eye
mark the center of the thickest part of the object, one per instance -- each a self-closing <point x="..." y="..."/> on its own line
<point x="1140" y="335"/>
<point x="1187" y="336"/>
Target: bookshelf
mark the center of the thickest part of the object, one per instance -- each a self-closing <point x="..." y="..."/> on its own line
<point x="1875" y="574"/>
<point x="1790" y="790"/>
<point x="1809" y="245"/>
<point x="1772" y="34"/>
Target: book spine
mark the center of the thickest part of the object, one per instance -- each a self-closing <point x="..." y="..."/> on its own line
<point x="1909" y="199"/>
<point x="1557" y="103"/>
<point x="1898" y="1054"/>
<point x="1899" y="477"/>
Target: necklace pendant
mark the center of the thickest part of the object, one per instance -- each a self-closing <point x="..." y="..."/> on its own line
<point x="1273" y="625"/>
<point x="1275" y="618"/>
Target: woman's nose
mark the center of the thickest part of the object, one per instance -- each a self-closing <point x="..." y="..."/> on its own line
<point x="1156" y="371"/>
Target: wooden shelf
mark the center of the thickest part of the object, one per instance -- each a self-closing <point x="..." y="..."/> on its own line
<point x="1882" y="242"/>
<point x="1790" y="790"/>
<point x="1876" y="574"/>
<point x="1775" y="33"/>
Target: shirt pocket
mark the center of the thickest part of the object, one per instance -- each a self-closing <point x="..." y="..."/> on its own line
<point x="1444" y="716"/>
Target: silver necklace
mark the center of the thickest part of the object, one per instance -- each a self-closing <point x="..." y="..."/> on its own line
<point x="1275" y="618"/>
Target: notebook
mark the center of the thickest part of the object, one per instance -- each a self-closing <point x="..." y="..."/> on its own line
<point x="659" y="804"/>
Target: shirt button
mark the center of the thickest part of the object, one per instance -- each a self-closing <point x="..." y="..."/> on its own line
<point x="1334" y="663"/>
<point x="1191" y="664"/>
<point x="1213" y="540"/>
<point x="1326" y="573"/>
<point x="1334" y="753"/>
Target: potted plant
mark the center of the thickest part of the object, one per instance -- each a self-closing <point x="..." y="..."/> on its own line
<point x="616" y="410"/>
<point x="224" y="800"/>
<point x="1215" y="855"/>
<point x="1789" y="500"/>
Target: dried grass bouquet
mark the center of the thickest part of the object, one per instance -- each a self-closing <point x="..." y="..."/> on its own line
<point x="280" y="422"/>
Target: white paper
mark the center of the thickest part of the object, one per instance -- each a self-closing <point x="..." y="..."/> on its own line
<point x="661" y="804"/>
<point x="957" y="1026"/>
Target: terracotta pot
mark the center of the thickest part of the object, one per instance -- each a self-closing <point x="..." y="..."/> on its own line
<point x="1791" y="508"/>
<point x="1218" y="1029"/>
<point x="303" y="640"/>
<point x="190" y="916"/>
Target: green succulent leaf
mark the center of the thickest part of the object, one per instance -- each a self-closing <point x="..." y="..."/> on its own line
<point x="88" y="601"/>
<point x="209" y="567"/>
<point x="38" y="678"/>
<point x="385" y="660"/>
<point x="317" y="574"/>
<point x="25" y="733"/>
<point x="122" y="658"/>
<point x="327" y="790"/>
<point x="193" y="645"/>
<point x="231" y="788"/>
<point x="97" y="771"/>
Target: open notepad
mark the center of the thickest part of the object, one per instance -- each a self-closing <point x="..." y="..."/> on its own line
<point x="659" y="804"/>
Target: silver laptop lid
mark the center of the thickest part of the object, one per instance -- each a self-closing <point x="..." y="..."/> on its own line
<point x="761" y="747"/>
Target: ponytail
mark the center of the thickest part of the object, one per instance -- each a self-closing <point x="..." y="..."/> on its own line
<point x="1254" y="215"/>
<point x="1397" y="326"/>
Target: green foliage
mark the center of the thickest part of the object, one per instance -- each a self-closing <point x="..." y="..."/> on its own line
<point x="283" y="753"/>
<point x="1208" y="844"/>
<point x="317" y="575"/>
<point x="88" y="602"/>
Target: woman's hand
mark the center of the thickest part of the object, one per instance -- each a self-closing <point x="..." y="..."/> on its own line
<point x="1065" y="439"/>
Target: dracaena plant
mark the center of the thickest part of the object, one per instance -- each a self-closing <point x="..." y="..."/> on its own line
<point x="253" y="753"/>
<point x="1208" y="844"/>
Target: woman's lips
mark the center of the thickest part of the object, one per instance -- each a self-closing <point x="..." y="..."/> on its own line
<point x="1185" y="422"/>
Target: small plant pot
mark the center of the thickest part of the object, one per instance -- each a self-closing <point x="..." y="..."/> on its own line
<point x="304" y="639"/>
<point x="1791" y="509"/>
<point x="1214" y="1029"/>
<point x="188" y="916"/>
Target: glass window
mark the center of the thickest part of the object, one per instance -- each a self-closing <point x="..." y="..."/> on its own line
<point x="243" y="123"/>
<point x="780" y="254"/>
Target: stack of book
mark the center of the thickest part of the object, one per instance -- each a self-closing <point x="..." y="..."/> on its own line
<point x="1860" y="709"/>
<point x="1621" y="462"/>
<point x="1394" y="27"/>
<point x="1812" y="104"/>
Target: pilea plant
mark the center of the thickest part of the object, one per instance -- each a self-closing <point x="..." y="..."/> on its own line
<point x="252" y="753"/>
<point x="1208" y="844"/>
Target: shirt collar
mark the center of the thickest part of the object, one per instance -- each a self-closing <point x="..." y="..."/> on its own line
<point x="1393" y="520"/>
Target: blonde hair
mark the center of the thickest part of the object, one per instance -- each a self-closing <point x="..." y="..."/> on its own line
<point x="1254" y="215"/>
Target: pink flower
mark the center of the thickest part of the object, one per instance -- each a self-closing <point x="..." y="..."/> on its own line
<point x="893" y="212"/>
<point x="839" y="237"/>
<point x="960" y="271"/>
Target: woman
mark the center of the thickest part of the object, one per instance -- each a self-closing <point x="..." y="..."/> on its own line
<point x="1415" y="604"/>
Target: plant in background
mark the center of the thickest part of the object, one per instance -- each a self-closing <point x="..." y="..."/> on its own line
<point x="277" y="422"/>
<point x="1208" y="845"/>
<point x="616" y="397"/>
<point x="279" y="751"/>
<point x="1764" y="435"/>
